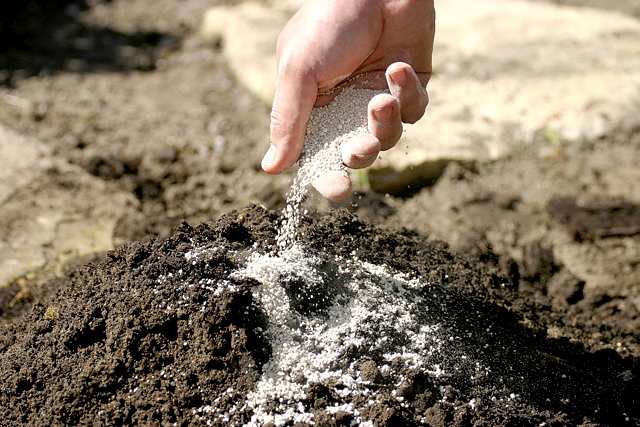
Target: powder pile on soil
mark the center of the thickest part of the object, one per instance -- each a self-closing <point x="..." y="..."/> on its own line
<point x="353" y="305"/>
<point x="401" y="332"/>
<point x="328" y="128"/>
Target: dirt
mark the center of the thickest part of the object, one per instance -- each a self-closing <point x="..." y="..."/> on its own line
<point x="535" y="256"/>
<point x="597" y="219"/>
<point x="564" y="225"/>
<point x="177" y="132"/>
<point x="156" y="345"/>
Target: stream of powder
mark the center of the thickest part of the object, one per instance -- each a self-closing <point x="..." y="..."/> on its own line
<point x="328" y="128"/>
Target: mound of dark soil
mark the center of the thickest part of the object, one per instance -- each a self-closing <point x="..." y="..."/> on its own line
<point x="147" y="335"/>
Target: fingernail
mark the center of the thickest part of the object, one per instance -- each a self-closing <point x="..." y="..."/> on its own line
<point x="269" y="158"/>
<point x="399" y="76"/>
<point x="383" y="114"/>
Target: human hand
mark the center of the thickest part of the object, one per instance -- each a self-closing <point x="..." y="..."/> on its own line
<point x="329" y="44"/>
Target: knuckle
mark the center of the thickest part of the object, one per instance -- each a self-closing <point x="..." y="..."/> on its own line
<point x="292" y="67"/>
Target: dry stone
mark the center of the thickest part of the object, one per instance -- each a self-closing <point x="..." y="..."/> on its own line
<point x="505" y="72"/>
<point x="248" y="32"/>
<point x="50" y="211"/>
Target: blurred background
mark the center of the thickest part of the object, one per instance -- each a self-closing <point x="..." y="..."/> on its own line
<point x="120" y="119"/>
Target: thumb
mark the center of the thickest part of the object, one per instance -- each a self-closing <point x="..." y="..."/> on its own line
<point x="295" y="96"/>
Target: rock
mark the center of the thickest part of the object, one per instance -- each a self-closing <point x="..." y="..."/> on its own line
<point x="50" y="211"/>
<point x="501" y="78"/>
<point x="19" y="155"/>
<point x="565" y="289"/>
<point x="369" y="371"/>
<point x="248" y="32"/>
<point x="438" y="415"/>
<point x="386" y="178"/>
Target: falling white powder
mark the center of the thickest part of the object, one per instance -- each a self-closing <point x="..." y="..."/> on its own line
<point x="328" y="128"/>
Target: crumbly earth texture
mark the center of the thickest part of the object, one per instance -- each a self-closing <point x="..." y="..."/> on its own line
<point x="174" y="331"/>
<point x="126" y="90"/>
<point x="562" y="221"/>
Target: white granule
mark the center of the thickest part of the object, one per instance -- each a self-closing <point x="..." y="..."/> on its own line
<point x="374" y="312"/>
<point x="472" y="404"/>
<point x="328" y="128"/>
<point x="347" y="407"/>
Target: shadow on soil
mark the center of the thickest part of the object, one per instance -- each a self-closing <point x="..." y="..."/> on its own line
<point x="552" y="375"/>
<point x="40" y="38"/>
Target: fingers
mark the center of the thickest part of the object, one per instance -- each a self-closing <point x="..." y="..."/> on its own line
<point x="357" y="153"/>
<point x="361" y="151"/>
<point x="334" y="185"/>
<point x="385" y="122"/>
<point x="385" y="129"/>
<point x="405" y="85"/>
<point x="295" y="95"/>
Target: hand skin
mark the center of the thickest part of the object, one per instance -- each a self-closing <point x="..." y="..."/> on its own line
<point x="329" y="44"/>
